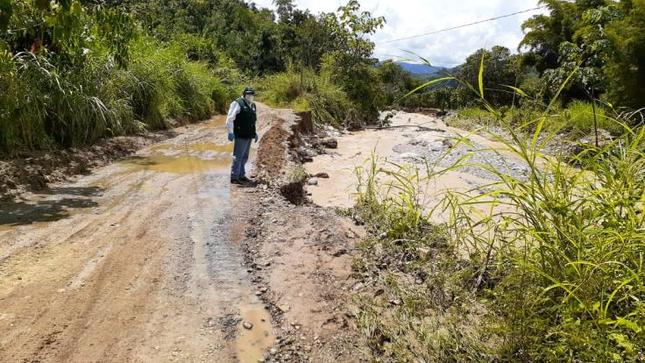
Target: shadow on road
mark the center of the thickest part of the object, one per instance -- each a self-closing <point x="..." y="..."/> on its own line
<point x="60" y="203"/>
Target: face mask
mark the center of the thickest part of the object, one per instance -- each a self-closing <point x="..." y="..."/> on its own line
<point x="249" y="98"/>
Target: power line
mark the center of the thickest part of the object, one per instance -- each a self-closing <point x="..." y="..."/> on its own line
<point x="463" y="25"/>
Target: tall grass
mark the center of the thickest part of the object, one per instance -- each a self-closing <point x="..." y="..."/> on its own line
<point x="576" y="120"/>
<point x="550" y="269"/>
<point x="46" y="106"/>
<point x="471" y="118"/>
<point x="305" y="90"/>
<point x="574" y="243"/>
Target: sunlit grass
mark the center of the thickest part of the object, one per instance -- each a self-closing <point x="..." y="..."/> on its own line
<point x="550" y="268"/>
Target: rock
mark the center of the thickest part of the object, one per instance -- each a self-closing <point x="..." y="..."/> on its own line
<point x="322" y="176"/>
<point x="424" y="253"/>
<point x="448" y="143"/>
<point x="247" y="325"/>
<point x="340" y="252"/>
<point x="330" y="143"/>
<point x="284" y="308"/>
<point x="312" y="181"/>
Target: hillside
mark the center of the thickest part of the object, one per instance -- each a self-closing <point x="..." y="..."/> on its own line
<point x="420" y="69"/>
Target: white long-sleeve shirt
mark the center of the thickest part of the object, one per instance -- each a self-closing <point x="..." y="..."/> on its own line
<point x="233" y="111"/>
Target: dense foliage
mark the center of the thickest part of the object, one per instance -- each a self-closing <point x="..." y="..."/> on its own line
<point x="74" y="71"/>
<point x="261" y="44"/>
<point x="595" y="48"/>
<point x="601" y="37"/>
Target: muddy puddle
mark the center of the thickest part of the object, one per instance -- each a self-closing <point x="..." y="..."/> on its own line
<point x="174" y="194"/>
<point x="251" y="344"/>
<point x="183" y="159"/>
<point x="178" y="164"/>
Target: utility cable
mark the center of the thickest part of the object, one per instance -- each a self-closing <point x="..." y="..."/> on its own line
<point x="462" y="26"/>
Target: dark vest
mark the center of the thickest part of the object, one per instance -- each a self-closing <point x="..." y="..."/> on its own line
<point x="244" y="124"/>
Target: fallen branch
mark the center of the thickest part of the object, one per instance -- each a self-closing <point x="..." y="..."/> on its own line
<point x="421" y="128"/>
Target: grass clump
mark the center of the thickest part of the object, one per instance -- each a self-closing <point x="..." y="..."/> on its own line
<point x="574" y="245"/>
<point x="420" y="306"/>
<point x="469" y="118"/>
<point x="47" y="105"/>
<point x="560" y="274"/>
<point x="306" y="90"/>
<point x="575" y="121"/>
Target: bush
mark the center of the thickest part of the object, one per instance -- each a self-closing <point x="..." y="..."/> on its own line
<point x="569" y="259"/>
<point x="580" y="117"/>
<point x="307" y="91"/>
<point x="471" y="117"/>
<point x="46" y="105"/>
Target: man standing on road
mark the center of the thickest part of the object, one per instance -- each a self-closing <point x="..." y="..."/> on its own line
<point x="240" y="124"/>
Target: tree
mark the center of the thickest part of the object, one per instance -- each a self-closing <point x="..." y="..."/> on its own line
<point x="395" y="81"/>
<point x="501" y="69"/>
<point x="349" y="60"/>
<point x="595" y="41"/>
<point x="625" y="69"/>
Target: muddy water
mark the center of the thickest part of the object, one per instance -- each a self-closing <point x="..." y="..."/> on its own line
<point x="136" y="262"/>
<point x="252" y="343"/>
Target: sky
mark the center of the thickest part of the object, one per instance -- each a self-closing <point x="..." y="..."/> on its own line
<point x="411" y="17"/>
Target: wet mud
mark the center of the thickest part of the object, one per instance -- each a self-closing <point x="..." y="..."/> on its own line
<point x="137" y="261"/>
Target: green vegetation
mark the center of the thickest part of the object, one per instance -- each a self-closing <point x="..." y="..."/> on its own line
<point x="325" y="58"/>
<point x="469" y="118"/>
<point x="575" y="120"/>
<point x="599" y="42"/>
<point x="561" y="278"/>
<point x="65" y="83"/>
<point x="546" y="267"/>
<point x="307" y="91"/>
<point x="72" y="71"/>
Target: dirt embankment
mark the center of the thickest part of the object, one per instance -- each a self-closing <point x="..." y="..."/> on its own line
<point x="299" y="256"/>
<point x="33" y="171"/>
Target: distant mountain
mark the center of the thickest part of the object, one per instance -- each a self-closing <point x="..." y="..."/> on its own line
<point x="423" y="70"/>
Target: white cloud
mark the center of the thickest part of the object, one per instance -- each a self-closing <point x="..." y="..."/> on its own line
<point x="411" y="17"/>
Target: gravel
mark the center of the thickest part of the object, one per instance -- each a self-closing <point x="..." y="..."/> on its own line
<point x="445" y="154"/>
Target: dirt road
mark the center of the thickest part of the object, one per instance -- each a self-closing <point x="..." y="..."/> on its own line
<point x="135" y="262"/>
<point x="157" y="258"/>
